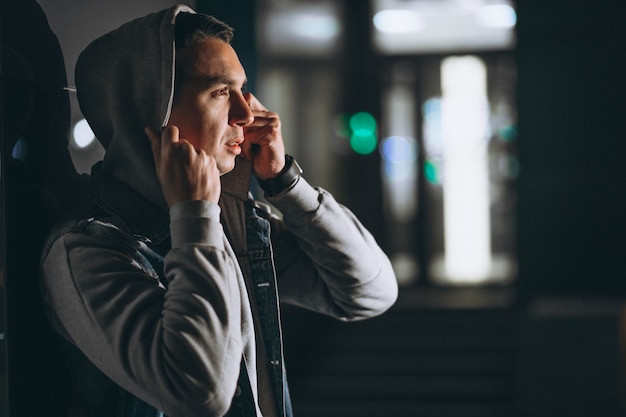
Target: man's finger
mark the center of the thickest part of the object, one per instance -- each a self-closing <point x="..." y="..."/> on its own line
<point x="170" y="134"/>
<point x="254" y="103"/>
<point x="246" y="149"/>
<point x="264" y="118"/>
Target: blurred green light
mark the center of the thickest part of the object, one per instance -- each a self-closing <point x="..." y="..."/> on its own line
<point x="363" y="139"/>
<point x="362" y="123"/>
<point x="431" y="172"/>
<point x="363" y="144"/>
<point x="508" y="133"/>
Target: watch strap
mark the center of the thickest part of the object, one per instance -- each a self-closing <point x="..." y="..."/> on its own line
<point x="285" y="179"/>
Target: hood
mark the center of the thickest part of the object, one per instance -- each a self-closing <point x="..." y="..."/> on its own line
<point x="125" y="82"/>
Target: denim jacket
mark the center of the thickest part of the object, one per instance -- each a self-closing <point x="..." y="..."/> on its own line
<point x="297" y="254"/>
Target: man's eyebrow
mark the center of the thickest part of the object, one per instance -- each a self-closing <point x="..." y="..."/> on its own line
<point x="209" y="81"/>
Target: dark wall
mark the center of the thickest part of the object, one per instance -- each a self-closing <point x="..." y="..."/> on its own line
<point x="572" y="106"/>
<point x="241" y="15"/>
<point x="571" y="59"/>
<point x="38" y="183"/>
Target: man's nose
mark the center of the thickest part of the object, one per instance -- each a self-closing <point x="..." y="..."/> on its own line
<point x="240" y="112"/>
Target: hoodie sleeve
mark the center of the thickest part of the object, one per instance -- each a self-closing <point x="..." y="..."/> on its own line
<point x="179" y="348"/>
<point x="326" y="260"/>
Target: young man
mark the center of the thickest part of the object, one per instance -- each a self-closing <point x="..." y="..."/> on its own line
<point x="164" y="289"/>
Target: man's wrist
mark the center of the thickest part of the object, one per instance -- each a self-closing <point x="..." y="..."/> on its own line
<point x="284" y="180"/>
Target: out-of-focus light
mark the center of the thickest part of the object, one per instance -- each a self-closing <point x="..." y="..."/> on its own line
<point x="321" y="27"/>
<point x="431" y="172"/>
<point x="404" y="27"/>
<point x="398" y="21"/>
<point x="399" y="155"/>
<point x="397" y="149"/>
<point x="20" y="150"/>
<point x="363" y="144"/>
<point x="470" y="4"/>
<point x="82" y="135"/>
<point x="431" y="127"/>
<point x="432" y="107"/>
<point x="465" y="118"/>
<point x="362" y="123"/>
<point x="500" y="16"/>
<point x="313" y="29"/>
<point x="508" y="133"/>
<point x="399" y="167"/>
<point x="361" y="130"/>
<point x="363" y="139"/>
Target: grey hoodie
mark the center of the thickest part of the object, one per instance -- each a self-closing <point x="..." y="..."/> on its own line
<point x="116" y="78"/>
<point x="179" y="348"/>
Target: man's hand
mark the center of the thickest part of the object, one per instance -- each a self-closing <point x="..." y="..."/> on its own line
<point x="185" y="173"/>
<point x="263" y="141"/>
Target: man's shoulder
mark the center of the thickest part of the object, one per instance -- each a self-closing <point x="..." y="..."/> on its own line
<point x="103" y="231"/>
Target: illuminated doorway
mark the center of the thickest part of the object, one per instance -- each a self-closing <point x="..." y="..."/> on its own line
<point x="448" y="139"/>
<point x="441" y="134"/>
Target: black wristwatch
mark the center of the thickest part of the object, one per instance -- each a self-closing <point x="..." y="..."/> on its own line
<point x="285" y="179"/>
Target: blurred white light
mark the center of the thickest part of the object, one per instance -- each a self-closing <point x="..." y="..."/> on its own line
<point x="500" y="16"/>
<point x="470" y="4"/>
<point x="436" y="26"/>
<point x="300" y="30"/>
<point x="398" y="21"/>
<point x="82" y="135"/>
<point x="465" y="119"/>
<point x="315" y="26"/>
<point x="399" y="152"/>
<point x="431" y="128"/>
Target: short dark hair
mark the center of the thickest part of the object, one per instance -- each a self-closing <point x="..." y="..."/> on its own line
<point x="191" y="27"/>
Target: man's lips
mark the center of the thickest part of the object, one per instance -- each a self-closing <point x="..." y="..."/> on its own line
<point x="235" y="145"/>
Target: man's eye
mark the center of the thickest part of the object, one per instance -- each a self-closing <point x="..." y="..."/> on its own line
<point x="222" y="92"/>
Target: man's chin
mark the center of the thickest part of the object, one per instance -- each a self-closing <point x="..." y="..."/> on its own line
<point x="228" y="167"/>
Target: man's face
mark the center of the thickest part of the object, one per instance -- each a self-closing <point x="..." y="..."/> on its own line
<point x="210" y="109"/>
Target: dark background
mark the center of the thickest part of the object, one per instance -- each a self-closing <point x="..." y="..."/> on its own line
<point x="548" y="345"/>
